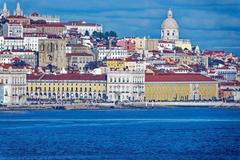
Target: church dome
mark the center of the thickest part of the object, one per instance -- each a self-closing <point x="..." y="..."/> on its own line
<point x="170" y="22"/>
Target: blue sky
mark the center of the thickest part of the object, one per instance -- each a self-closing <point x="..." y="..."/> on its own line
<point x="212" y="24"/>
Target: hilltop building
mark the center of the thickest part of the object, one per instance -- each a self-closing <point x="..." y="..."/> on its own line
<point x="52" y="51"/>
<point x="82" y="26"/>
<point x="12" y="30"/>
<point x="18" y="11"/>
<point x="5" y="12"/>
<point x="48" y="19"/>
<point x="170" y="28"/>
<point x="170" y="33"/>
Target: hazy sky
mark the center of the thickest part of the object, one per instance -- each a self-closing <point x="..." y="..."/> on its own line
<point x="212" y="24"/>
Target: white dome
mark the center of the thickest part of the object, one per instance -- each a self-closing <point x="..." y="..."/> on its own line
<point x="170" y="22"/>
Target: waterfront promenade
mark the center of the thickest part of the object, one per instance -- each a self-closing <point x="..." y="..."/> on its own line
<point x="139" y="105"/>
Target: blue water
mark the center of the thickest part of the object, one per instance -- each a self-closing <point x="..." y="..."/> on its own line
<point x="170" y="133"/>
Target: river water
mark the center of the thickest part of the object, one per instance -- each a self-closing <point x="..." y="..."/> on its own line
<point x="167" y="133"/>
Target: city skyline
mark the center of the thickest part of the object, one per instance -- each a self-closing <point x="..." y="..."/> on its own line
<point x="209" y="24"/>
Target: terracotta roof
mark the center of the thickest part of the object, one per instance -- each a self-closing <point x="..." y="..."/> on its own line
<point x="79" y="54"/>
<point x="81" y="23"/>
<point x="68" y="76"/>
<point x="16" y="17"/>
<point x="233" y="83"/>
<point x="53" y="36"/>
<point x="16" y="59"/>
<point x="34" y="35"/>
<point x="5" y="66"/>
<point x="28" y="26"/>
<point x="117" y="59"/>
<point x="210" y="52"/>
<point x="171" y="77"/>
<point x="49" y="25"/>
<point x="10" y="52"/>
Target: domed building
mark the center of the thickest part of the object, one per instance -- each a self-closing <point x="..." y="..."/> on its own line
<point x="169" y="28"/>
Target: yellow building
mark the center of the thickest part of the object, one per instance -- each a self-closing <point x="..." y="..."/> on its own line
<point x="146" y="43"/>
<point x="126" y="63"/>
<point x="66" y="87"/>
<point x="175" y="87"/>
<point x="115" y="63"/>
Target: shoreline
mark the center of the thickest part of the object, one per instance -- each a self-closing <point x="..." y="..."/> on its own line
<point x="133" y="105"/>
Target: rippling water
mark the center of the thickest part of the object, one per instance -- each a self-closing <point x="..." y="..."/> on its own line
<point x="169" y="133"/>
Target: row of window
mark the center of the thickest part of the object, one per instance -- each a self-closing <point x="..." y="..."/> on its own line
<point x="67" y="84"/>
<point x="62" y="89"/>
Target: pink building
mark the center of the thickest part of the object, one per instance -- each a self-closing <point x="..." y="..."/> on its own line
<point x="127" y="43"/>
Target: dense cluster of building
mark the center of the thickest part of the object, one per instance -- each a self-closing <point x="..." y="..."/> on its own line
<point x="44" y="60"/>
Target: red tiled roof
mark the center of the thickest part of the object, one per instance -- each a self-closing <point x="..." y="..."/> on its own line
<point x="34" y="35"/>
<point x="48" y="25"/>
<point x="17" y="17"/>
<point x="28" y="26"/>
<point x="233" y="83"/>
<point x="79" y="54"/>
<point x="5" y="66"/>
<point x="10" y="52"/>
<point x="117" y="59"/>
<point x="161" y="77"/>
<point x="81" y="23"/>
<point x="210" y="52"/>
<point x="68" y="76"/>
<point x="16" y="59"/>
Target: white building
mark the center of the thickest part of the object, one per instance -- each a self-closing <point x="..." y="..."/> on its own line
<point x="31" y="40"/>
<point x="6" y="57"/>
<point x="2" y="45"/>
<point x="14" y="81"/>
<point x="112" y="53"/>
<point x="82" y="27"/>
<point x="169" y="28"/>
<point x="11" y="43"/>
<point x="28" y="56"/>
<point x="12" y="30"/>
<point x="126" y="84"/>
<point x="49" y="19"/>
<point x="228" y="73"/>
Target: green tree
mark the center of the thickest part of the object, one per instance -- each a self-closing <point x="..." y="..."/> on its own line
<point x="86" y="33"/>
<point x="112" y="34"/>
